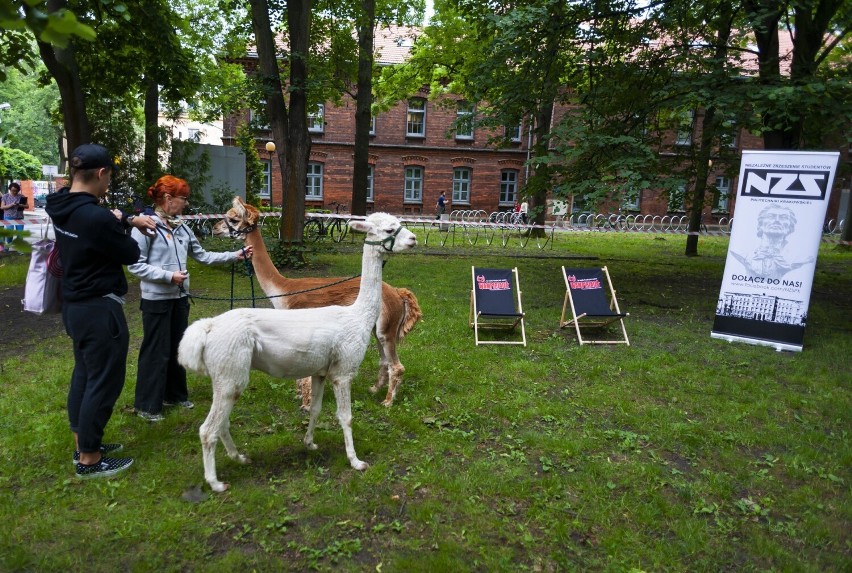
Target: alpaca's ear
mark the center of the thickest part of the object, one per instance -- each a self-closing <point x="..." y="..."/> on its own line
<point x="239" y="206"/>
<point x="360" y="226"/>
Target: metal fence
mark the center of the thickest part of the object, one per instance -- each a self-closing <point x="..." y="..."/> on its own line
<point x="504" y="228"/>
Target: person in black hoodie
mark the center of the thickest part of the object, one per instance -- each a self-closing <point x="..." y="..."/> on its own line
<point x="93" y="245"/>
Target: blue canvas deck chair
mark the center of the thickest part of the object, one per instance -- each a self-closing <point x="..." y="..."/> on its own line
<point x="495" y="303"/>
<point x="586" y="296"/>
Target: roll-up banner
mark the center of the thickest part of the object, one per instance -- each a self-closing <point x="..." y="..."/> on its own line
<point x="782" y="198"/>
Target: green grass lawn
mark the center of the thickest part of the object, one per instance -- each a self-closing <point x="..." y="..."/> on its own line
<point x="677" y="453"/>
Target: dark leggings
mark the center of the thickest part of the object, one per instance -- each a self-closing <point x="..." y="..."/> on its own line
<point x="98" y="331"/>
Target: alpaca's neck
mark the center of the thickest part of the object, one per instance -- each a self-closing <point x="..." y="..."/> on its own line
<point x="267" y="275"/>
<point x="370" y="293"/>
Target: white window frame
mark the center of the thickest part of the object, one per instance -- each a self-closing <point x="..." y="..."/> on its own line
<point x="416" y="117"/>
<point x="680" y="207"/>
<point x="464" y="120"/>
<point x="513" y="132"/>
<point x="413" y="190"/>
<point x="370" y="182"/>
<point x="730" y="134"/>
<point x="462" y="177"/>
<point x="372" y="125"/>
<point x="508" y="186"/>
<point x="684" y="133"/>
<point x="314" y="181"/>
<point x="266" y="188"/>
<point x="723" y="195"/>
<point x="254" y="116"/>
<point x="632" y="204"/>
<point x="316" y="119"/>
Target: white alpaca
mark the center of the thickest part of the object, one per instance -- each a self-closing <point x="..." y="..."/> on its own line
<point x="326" y="342"/>
<point x="399" y="312"/>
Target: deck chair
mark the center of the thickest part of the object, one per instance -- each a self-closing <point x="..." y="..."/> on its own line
<point x="495" y="303"/>
<point x="590" y="309"/>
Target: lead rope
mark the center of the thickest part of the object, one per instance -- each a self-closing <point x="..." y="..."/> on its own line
<point x="249" y="272"/>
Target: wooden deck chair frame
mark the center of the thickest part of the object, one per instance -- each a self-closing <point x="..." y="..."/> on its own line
<point x="596" y="321"/>
<point x="481" y="319"/>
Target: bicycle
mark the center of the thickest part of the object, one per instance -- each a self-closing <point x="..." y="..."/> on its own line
<point x="317" y="228"/>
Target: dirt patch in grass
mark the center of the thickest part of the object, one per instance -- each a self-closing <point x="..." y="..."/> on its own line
<point x="24" y="330"/>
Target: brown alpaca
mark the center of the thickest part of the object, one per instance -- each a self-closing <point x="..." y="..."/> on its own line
<point x="399" y="311"/>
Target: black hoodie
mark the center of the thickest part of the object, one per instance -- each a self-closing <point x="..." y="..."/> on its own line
<point x="92" y="244"/>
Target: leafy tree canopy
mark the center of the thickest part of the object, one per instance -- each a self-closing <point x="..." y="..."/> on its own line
<point x="17" y="164"/>
<point x="32" y="122"/>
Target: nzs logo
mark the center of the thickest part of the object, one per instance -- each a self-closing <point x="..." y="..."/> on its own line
<point x="782" y="184"/>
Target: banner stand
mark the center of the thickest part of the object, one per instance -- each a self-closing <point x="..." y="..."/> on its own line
<point x="782" y="199"/>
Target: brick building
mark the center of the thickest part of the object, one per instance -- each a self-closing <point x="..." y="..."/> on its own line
<point x="412" y="161"/>
<point x="415" y="156"/>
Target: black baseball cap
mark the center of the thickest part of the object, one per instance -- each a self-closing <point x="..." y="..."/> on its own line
<point x="91" y="156"/>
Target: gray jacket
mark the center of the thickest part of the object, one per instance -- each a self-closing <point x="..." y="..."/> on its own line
<point x="166" y="253"/>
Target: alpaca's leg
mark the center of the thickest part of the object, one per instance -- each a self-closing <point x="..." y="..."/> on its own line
<point x="396" y="370"/>
<point x="228" y="442"/>
<point x="317" y="388"/>
<point x="384" y="372"/>
<point x="209" y="433"/>
<point x="344" y="416"/>
<point x="304" y="387"/>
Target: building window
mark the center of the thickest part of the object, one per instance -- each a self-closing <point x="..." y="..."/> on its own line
<point x="513" y="133"/>
<point x="372" y="125"/>
<point x="632" y="201"/>
<point x="508" y="187"/>
<point x="722" y="198"/>
<point x="258" y="120"/>
<point x="685" y="122"/>
<point x="416" y="122"/>
<point x="461" y="185"/>
<point x="413" y="185"/>
<point x="313" y="187"/>
<point x="677" y="199"/>
<point x="370" y="170"/>
<point x="194" y="134"/>
<point x="464" y="120"/>
<point x="266" y="188"/>
<point x="728" y="131"/>
<point x="316" y="119"/>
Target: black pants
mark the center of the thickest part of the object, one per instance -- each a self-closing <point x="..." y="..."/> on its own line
<point x="160" y="377"/>
<point x="99" y="334"/>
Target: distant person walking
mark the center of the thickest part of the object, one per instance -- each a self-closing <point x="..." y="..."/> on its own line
<point x="524" y="210"/>
<point x="441" y="205"/>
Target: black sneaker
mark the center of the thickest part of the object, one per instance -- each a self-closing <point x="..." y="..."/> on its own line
<point x="104" y="468"/>
<point x="105" y="449"/>
<point x="183" y="404"/>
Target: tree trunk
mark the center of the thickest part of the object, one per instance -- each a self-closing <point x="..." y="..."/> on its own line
<point x="539" y="183"/>
<point x="299" y="148"/>
<point x="363" y="102"/>
<point x="62" y="65"/>
<point x="765" y="16"/>
<point x="276" y="108"/>
<point x="151" y="165"/>
<point x="846" y="234"/>
<point x="696" y="205"/>
<point x="709" y="130"/>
